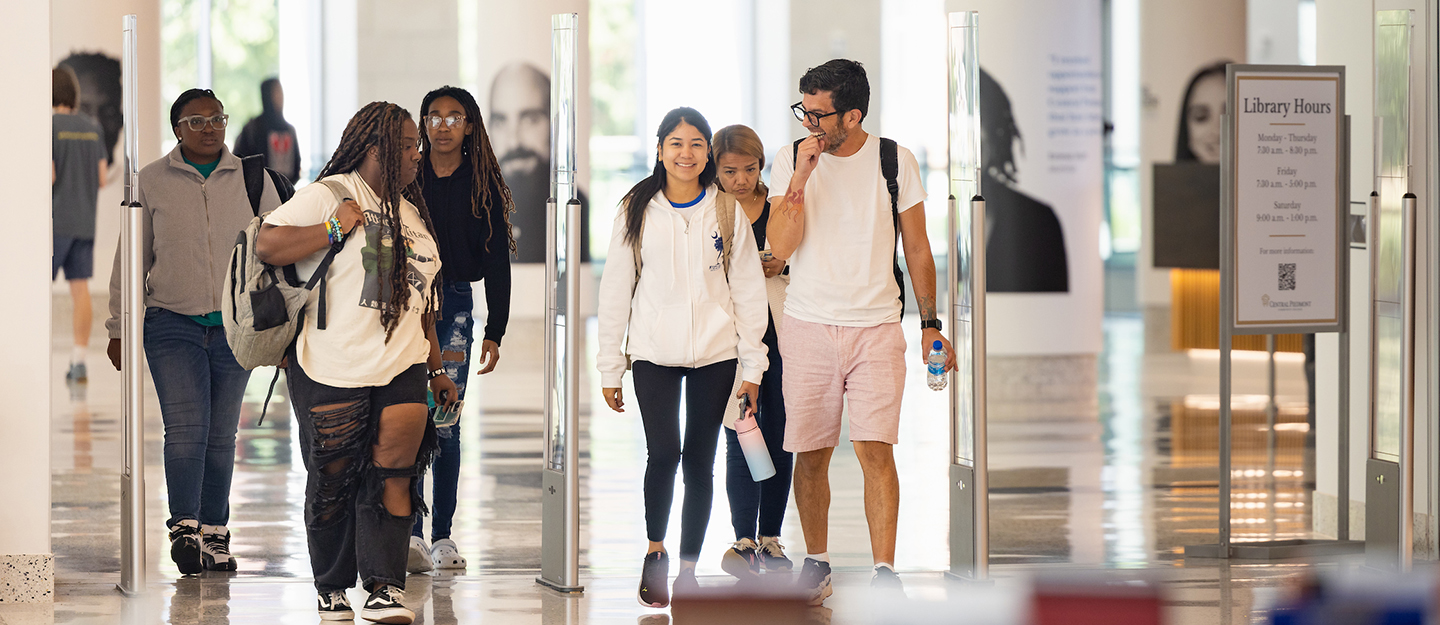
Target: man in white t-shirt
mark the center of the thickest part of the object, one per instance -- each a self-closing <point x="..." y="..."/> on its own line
<point x="841" y="338"/>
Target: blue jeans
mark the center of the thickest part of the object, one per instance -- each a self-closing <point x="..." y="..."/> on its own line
<point x="455" y="327"/>
<point x="200" y="387"/>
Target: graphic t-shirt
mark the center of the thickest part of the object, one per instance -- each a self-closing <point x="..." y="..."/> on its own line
<point x="351" y="351"/>
<point x="76" y="147"/>
<point x="842" y="273"/>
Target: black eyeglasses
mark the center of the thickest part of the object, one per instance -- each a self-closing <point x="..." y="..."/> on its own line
<point x="450" y="120"/>
<point x="197" y="122"/>
<point x="804" y="115"/>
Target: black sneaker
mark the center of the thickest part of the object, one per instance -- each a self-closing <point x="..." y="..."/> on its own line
<point x="815" y="580"/>
<point x="742" y="559"/>
<point x="384" y="606"/>
<point x="185" y="547"/>
<point x="215" y="548"/>
<point x="772" y="555"/>
<point x="335" y="606"/>
<point x="887" y="582"/>
<point x="654" y="592"/>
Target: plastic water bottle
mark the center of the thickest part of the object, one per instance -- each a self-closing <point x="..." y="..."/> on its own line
<point x="752" y="442"/>
<point x="935" y="367"/>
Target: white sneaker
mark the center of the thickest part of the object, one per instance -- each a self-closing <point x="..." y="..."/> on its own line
<point x="446" y="555"/>
<point x="419" y="559"/>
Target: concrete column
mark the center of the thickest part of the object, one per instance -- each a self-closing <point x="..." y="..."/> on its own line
<point x="27" y="565"/>
<point x="1344" y="32"/>
<point x="1176" y="39"/>
<point x="821" y="30"/>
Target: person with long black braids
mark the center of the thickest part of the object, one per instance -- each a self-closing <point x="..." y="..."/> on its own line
<point x="690" y="313"/>
<point x="358" y="382"/>
<point x="471" y="206"/>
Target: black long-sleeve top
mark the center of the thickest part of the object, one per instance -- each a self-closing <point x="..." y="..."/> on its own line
<point x="463" y="238"/>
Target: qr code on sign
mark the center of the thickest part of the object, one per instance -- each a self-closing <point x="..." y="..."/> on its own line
<point x="1287" y="276"/>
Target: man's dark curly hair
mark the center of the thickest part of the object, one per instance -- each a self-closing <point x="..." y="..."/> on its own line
<point x="845" y="80"/>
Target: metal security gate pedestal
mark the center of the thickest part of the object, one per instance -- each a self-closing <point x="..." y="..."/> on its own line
<point x="560" y="477"/>
<point x="965" y="275"/>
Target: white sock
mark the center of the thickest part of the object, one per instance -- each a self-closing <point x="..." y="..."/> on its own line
<point x="886" y="565"/>
<point x="821" y="557"/>
<point x="77" y="355"/>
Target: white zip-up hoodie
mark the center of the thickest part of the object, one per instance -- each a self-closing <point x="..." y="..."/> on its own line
<point x="684" y="312"/>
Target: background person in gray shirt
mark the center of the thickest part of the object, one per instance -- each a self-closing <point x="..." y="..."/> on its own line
<point x="77" y="172"/>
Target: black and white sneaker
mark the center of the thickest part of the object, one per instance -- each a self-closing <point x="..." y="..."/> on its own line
<point x="215" y="548"/>
<point x="185" y="546"/>
<point x="772" y="555"/>
<point x="654" y="581"/>
<point x="335" y="606"/>
<point x="815" y="580"/>
<point x="742" y="559"/>
<point x="384" y="606"/>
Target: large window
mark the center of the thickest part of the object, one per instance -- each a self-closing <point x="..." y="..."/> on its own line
<point x="229" y="46"/>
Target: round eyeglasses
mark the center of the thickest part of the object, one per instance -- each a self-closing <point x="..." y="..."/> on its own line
<point x="450" y="120"/>
<point x="197" y="122"/>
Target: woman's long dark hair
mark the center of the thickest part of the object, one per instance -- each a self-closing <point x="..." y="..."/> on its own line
<point x="489" y="187"/>
<point x="640" y="194"/>
<point x="381" y="125"/>
<point x="1183" y="153"/>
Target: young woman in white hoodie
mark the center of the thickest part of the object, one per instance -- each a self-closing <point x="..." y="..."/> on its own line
<point x="688" y="318"/>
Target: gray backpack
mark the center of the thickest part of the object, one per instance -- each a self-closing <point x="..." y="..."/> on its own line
<point x="262" y="305"/>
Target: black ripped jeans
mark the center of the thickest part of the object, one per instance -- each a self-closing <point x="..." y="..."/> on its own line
<point x="346" y="524"/>
<point x="657" y="391"/>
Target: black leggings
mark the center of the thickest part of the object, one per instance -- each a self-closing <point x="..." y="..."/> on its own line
<point x="657" y="391"/>
<point x="765" y="500"/>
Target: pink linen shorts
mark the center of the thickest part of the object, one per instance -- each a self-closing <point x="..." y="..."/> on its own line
<point x="826" y="364"/>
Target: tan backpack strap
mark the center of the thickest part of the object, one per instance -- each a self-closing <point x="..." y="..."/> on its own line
<point x="635" y="248"/>
<point x="725" y="213"/>
<point x="337" y="189"/>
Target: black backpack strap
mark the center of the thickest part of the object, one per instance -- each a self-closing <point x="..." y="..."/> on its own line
<point x="794" y="154"/>
<point x="265" y="407"/>
<point x="890" y="168"/>
<point x="253" y="168"/>
<point x="283" y="187"/>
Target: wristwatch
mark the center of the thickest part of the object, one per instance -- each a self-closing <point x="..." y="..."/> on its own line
<point x="930" y="323"/>
<point x="435" y="373"/>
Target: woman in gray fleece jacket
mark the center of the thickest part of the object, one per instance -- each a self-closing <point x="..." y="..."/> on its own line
<point x="194" y="203"/>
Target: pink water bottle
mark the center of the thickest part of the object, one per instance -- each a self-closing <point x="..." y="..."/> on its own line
<point x="752" y="442"/>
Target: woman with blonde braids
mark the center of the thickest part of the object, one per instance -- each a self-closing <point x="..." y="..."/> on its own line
<point x="358" y="371"/>
<point x="470" y="205"/>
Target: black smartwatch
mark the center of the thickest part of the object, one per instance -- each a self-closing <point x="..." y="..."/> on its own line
<point x="930" y="323"/>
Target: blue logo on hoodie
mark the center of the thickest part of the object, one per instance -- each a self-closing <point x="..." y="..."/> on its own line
<point x="719" y="249"/>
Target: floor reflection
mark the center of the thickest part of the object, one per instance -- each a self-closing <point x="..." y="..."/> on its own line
<point x="1126" y="486"/>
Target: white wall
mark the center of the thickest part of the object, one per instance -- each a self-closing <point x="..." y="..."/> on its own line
<point x="24" y="415"/>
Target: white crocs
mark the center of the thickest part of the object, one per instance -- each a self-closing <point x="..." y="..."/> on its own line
<point x="418" y="560"/>
<point x="446" y="555"/>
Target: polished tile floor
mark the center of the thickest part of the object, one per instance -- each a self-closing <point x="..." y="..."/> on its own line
<point x="1111" y="491"/>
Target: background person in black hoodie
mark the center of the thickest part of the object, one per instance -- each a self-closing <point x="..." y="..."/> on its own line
<point x="471" y="207"/>
<point x="269" y="135"/>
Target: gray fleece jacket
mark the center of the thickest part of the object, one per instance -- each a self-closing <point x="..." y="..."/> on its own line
<point x="190" y="224"/>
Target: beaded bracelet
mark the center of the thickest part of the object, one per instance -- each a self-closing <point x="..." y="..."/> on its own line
<point x="332" y="229"/>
